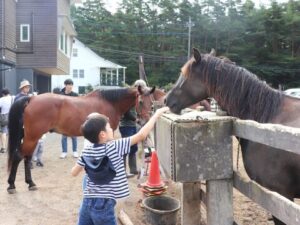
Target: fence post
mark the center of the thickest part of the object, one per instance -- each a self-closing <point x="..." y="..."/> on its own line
<point x="190" y="203"/>
<point x="219" y="202"/>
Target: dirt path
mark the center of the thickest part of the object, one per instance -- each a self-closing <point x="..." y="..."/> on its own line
<point x="57" y="200"/>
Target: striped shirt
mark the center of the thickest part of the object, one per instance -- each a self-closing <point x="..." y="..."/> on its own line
<point x="118" y="187"/>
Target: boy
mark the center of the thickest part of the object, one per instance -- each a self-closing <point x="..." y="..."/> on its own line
<point x="100" y="199"/>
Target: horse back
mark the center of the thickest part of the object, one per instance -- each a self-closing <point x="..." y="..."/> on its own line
<point x="283" y="171"/>
<point x="51" y="111"/>
<point x="289" y="113"/>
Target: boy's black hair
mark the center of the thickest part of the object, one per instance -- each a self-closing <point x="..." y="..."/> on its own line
<point x="68" y="82"/>
<point x="93" y="126"/>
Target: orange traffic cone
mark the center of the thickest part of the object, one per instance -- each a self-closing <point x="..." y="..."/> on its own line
<point x="154" y="174"/>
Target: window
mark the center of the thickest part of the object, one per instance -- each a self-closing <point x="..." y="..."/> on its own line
<point x="75" y="73"/>
<point x="66" y="44"/>
<point x="25" y="33"/>
<point x="81" y="89"/>
<point x="75" y="52"/>
<point x="81" y="73"/>
<point x="63" y="42"/>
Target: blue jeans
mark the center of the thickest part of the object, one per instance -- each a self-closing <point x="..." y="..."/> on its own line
<point x="64" y="143"/>
<point x="38" y="151"/>
<point x="97" y="211"/>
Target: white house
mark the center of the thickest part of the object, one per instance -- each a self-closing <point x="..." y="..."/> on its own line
<point x="90" y="70"/>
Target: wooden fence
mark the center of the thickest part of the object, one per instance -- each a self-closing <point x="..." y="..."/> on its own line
<point x="194" y="148"/>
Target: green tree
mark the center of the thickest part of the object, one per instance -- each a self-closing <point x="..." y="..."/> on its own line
<point x="264" y="40"/>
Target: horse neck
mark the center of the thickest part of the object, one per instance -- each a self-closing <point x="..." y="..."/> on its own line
<point x="159" y="95"/>
<point x="125" y="104"/>
<point x="242" y="94"/>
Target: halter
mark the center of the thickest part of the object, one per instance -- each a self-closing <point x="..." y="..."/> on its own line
<point x="139" y="110"/>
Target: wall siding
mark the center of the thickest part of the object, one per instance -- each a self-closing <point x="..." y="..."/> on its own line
<point x="8" y="29"/>
<point x="41" y="50"/>
<point x="63" y="62"/>
<point x="1" y="22"/>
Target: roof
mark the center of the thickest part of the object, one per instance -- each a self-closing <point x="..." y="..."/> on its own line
<point x="107" y="63"/>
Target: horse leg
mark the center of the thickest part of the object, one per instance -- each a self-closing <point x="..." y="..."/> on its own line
<point x="277" y="221"/>
<point x="13" y="171"/>
<point x="28" y="179"/>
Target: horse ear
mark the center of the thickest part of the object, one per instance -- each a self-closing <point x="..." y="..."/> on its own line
<point x="213" y="52"/>
<point x="152" y="90"/>
<point x="197" y="55"/>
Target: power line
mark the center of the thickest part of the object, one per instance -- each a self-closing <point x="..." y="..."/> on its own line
<point x="116" y="45"/>
<point x="143" y="33"/>
<point x="136" y="53"/>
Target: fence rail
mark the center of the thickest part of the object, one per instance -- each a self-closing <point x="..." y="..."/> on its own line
<point x="279" y="206"/>
<point x="218" y="195"/>
<point x="274" y="135"/>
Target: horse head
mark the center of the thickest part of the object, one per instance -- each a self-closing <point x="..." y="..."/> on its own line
<point x="190" y="87"/>
<point x="144" y="106"/>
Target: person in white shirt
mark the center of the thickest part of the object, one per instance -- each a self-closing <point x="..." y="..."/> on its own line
<point x="5" y="103"/>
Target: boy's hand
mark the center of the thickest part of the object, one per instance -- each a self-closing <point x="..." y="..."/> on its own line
<point x="162" y="110"/>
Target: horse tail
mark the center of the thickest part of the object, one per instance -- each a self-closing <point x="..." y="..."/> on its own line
<point x="15" y="128"/>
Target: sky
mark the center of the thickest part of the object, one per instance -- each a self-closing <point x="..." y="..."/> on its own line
<point x="111" y="5"/>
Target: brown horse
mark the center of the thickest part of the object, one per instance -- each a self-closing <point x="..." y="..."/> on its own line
<point x="144" y="106"/>
<point x="243" y="95"/>
<point x="31" y="117"/>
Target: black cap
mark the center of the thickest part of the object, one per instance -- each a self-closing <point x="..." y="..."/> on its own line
<point x="68" y="81"/>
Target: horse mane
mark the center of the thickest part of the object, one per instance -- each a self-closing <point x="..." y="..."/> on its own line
<point x="114" y="95"/>
<point x="239" y="91"/>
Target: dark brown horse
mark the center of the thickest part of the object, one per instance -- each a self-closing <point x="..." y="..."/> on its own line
<point x="144" y="107"/>
<point x="243" y="95"/>
<point x="31" y="117"/>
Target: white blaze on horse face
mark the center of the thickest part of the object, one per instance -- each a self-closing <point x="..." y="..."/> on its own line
<point x="181" y="81"/>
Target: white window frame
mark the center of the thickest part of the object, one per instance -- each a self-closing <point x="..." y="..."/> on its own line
<point x="21" y="32"/>
<point x="75" y="52"/>
<point x="77" y="73"/>
<point x="64" y="43"/>
<point x="81" y="74"/>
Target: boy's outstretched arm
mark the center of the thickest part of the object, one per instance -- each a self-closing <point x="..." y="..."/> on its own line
<point x="145" y="130"/>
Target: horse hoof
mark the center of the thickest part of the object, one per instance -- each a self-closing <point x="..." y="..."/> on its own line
<point x="32" y="188"/>
<point x="11" y="190"/>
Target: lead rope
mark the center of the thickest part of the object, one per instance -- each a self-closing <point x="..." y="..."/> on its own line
<point x="238" y="155"/>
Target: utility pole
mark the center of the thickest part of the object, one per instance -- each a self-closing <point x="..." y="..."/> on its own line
<point x="142" y="73"/>
<point x="190" y="24"/>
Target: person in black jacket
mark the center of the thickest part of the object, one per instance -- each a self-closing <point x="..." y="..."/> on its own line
<point x="127" y="128"/>
<point x="68" y="90"/>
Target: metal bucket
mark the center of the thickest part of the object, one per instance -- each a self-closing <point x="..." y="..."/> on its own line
<point x="161" y="210"/>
